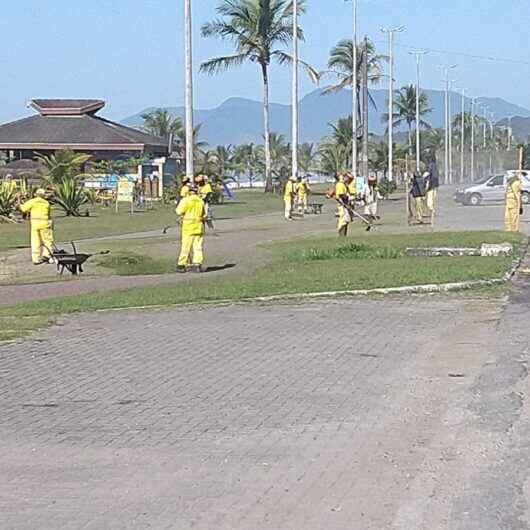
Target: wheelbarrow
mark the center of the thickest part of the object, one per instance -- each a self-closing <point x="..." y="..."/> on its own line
<point x="72" y="262"/>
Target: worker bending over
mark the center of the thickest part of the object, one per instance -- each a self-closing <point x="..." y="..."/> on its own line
<point x="193" y="213"/>
<point x="289" y="195"/>
<point x="512" y="217"/>
<point x="42" y="240"/>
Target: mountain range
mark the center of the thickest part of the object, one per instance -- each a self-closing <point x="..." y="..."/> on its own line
<point x="239" y="120"/>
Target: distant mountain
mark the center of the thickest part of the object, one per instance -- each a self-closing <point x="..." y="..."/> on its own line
<point x="239" y="120"/>
<point x="520" y="127"/>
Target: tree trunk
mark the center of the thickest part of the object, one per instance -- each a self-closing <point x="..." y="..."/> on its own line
<point x="266" y="126"/>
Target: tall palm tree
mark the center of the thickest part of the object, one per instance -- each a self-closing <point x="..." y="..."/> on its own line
<point x="405" y="109"/>
<point x="257" y="29"/>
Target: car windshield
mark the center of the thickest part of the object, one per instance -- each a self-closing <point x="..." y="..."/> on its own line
<point x="481" y="181"/>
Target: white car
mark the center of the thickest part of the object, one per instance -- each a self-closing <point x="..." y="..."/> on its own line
<point x="491" y="189"/>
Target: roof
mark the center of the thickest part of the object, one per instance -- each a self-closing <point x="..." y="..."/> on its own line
<point x="83" y="132"/>
<point x="67" y="107"/>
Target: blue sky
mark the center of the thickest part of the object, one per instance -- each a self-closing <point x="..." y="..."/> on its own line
<point x="129" y="52"/>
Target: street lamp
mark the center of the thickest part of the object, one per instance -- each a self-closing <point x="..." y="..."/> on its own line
<point x="463" y="134"/>
<point x="355" y="82"/>
<point x="295" y="91"/>
<point x="473" y="104"/>
<point x="391" y="32"/>
<point x="418" y="54"/>
<point x="189" y="89"/>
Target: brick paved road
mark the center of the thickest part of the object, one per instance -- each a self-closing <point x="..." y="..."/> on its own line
<point x="407" y="415"/>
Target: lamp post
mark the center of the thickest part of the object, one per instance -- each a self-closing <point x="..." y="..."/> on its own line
<point x="418" y="54"/>
<point x="189" y="89"/>
<point x="445" y="70"/>
<point x="391" y="32"/>
<point x="463" y="134"/>
<point x="295" y="92"/>
<point x="355" y="83"/>
<point x="473" y="103"/>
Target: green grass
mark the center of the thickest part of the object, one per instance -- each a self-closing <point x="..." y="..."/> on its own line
<point x="338" y="266"/>
<point x="16" y="326"/>
<point x="106" y="222"/>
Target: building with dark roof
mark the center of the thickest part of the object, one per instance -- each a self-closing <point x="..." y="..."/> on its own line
<point x="73" y="124"/>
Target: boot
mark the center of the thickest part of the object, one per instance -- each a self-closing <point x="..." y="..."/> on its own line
<point x="181" y="269"/>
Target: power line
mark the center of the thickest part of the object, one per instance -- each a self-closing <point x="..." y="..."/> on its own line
<point x="464" y="54"/>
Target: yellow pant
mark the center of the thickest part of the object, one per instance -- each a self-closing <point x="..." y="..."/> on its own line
<point x="431" y="200"/>
<point x="191" y="251"/>
<point x="418" y="207"/>
<point x="288" y="208"/>
<point x="302" y="202"/>
<point x="344" y="218"/>
<point x="42" y="240"/>
<point x="512" y="218"/>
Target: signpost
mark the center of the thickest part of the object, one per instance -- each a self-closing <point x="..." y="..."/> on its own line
<point x="125" y="193"/>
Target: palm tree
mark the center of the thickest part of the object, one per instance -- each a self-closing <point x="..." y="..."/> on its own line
<point x="307" y="153"/>
<point x="255" y="28"/>
<point x="405" y="105"/>
<point x="245" y="159"/>
<point x="160" y="123"/>
<point x="340" y="64"/>
<point x="198" y="145"/>
<point x="334" y="158"/>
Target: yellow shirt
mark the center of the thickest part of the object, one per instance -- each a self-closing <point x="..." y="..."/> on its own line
<point x="513" y="193"/>
<point x="302" y="189"/>
<point x="38" y="208"/>
<point x="352" y="189"/>
<point x="205" y="189"/>
<point x="340" y="189"/>
<point x="184" y="191"/>
<point x="193" y="213"/>
<point x="289" y="191"/>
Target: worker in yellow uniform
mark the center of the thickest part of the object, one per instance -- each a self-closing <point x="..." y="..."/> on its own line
<point x="206" y="194"/>
<point x="185" y="188"/>
<point x="341" y="195"/>
<point x="302" y="192"/>
<point x="289" y="195"/>
<point x="193" y="213"/>
<point x="512" y="215"/>
<point x="42" y="240"/>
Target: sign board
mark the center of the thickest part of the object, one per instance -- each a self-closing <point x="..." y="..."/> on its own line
<point x="125" y="193"/>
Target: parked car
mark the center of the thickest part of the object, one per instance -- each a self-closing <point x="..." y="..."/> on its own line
<point x="491" y="189"/>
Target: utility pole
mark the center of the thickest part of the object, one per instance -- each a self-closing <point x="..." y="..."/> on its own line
<point x="445" y="70"/>
<point x="295" y="133"/>
<point x="473" y="103"/>
<point x="355" y="102"/>
<point x="189" y="89"/>
<point x="391" y="32"/>
<point x="418" y="54"/>
<point x="463" y="134"/>
<point x="365" y="108"/>
<point x="450" y="116"/>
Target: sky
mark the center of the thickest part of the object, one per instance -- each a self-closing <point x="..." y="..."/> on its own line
<point x="130" y="52"/>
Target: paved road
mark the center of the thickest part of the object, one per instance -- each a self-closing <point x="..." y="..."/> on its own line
<point x="409" y="414"/>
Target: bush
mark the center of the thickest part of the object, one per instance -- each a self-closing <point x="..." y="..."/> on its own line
<point x="69" y="196"/>
<point x="8" y="202"/>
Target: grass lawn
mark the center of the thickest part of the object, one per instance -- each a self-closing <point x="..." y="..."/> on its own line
<point x="106" y="222"/>
<point x="300" y="266"/>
